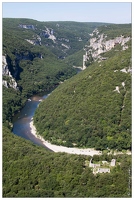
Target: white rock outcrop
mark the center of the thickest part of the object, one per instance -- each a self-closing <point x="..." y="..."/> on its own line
<point x="99" y="44"/>
<point x="4" y="82"/>
<point x="36" y="40"/>
<point x="66" y="46"/>
<point x="31" y="41"/>
<point x="5" y="72"/>
<point x="123" y="84"/>
<point x="117" y="89"/>
<point x="27" y="26"/>
<point x="129" y="70"/>
<point x="50" y="34"/>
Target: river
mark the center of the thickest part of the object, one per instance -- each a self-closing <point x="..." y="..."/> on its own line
<point x="21" y="127"/>
<point x="21" y="121"/>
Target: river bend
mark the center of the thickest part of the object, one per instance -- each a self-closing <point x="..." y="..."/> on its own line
<point x="21" y="121"/>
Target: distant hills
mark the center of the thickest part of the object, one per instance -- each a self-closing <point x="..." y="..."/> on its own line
<point x="30" y="48"/>
<point x="62" y="38"/>
<point x="93" y="109"/>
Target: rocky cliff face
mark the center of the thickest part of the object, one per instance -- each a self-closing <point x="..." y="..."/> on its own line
<point x="27" y="26"/>
<point x="98" y="44"/>
<point x="5" y="70"/>
<point x="8" y="80"/>
<point x="59" y="42"/>
<point x="47" y="33"/>
<point x="11" y="72"/>
<point x="36" y="40"/>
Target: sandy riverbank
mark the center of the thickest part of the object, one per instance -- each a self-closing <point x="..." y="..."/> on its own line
<point x="56" y="148"/>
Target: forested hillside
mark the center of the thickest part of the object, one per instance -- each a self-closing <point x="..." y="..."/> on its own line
<point x="32" y="57"/>
<point x="62" y="38"/>
<point x="91" y="109"/>
<point x="32" y="171"/>
<point x="115" y="30"/>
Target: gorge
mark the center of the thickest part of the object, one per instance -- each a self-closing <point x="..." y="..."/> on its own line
<point x="86" y="116"/>
<point x="23" y="127"/>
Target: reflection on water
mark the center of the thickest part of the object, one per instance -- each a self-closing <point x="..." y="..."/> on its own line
<point x="21" y="126"/>
<point x="21" y="121"/>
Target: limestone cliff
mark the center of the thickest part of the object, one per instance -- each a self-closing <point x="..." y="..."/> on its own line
<point x="8" y="80"/>
<point x="11" y="68"/>
<point x="36" y="40"/>
<point x="98" y="44"/>
<point x="27" y="26"/>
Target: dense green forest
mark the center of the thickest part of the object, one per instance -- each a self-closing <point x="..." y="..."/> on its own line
<point x="87" y="111"/>
<point x="32" y="171"/>
<point x="84" y="110"/>
<point x="75" y="59"/>
<point x="73" y="34"/>
<point x="116" y="30"/>
<point x="37" y="68"/>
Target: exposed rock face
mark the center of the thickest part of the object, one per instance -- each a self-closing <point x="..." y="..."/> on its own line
<point x="35" y="41"/>
<point x="98" y="44"/>
<point x="117" y="89"/>
<point x="5" y="83"/>
<point x="27" y="26"/>
<point x="66" y="46"/>
<point x="13" y="84"/>
<point x="5" y="70"/>
<point x="48" y="33"/>
<point x="31" y="41"/>
<point x="7" y="74"/>
<point x="85" y="58"/>
<point x="11" y="72"/>
<point x="129" y="70"/>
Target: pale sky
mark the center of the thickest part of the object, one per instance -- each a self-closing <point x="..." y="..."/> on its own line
<point x="110" y="12"/>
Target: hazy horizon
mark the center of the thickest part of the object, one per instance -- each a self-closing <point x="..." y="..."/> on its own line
<point x="106" y="12"/>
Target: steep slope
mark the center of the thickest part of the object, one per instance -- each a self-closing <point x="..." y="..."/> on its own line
<point x="32" y="171"/>
<point x="62" y="38"/>
<point x="29" y="66"/>
<point x="76" y="59"/>
<point x="105" y="38"/>
<point x="33" y="54"/>
<point x="92" y="109"/>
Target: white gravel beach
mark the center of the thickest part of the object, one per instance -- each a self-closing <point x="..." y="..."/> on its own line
<point x="70" y="150"/>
